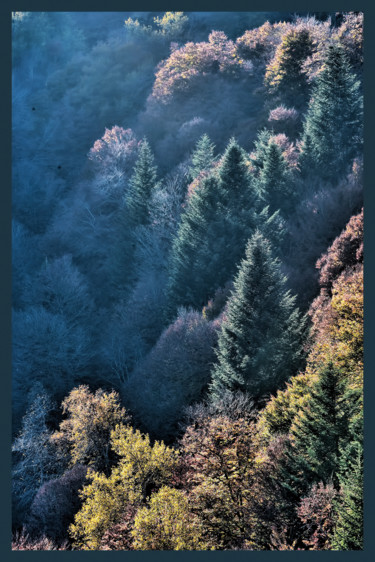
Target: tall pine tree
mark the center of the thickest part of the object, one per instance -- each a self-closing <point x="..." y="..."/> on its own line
<point x="220" y="215"/>
<point x="133" y="213"/>
<point x="348" y="533"/>
<point x="318" y="431"/>
<point x="332" y="134"/>
<point x="275" y="181"/>
<point x="141" y="185"/>
<point x="202" y="156"/>
<point x="259" y="345"/>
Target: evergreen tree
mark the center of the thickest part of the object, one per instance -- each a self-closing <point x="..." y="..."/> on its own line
<point x="333" y="126"/>
<point x="285" y="75"/>
<point x="275" y="181"/>
<point x="197" y="228"/>
<point x="220" y="215"/>
<point x="259" y="345"/>
<point x="202" y="156"/>
<point x="348" y="533"/>
<point x="133" y="213"/>
<point x="141" y="184"/>
<point x="318" y="431"/>
<point x="257" y="157"/>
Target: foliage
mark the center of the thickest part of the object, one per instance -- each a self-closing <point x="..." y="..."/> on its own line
<point x="316" y="512"/>
<point x="36" y="459"/>
<point x="218" y="219"/>
<point x="141" y="185"/>
<point x="220" y="456"/>
<point x="46" y="349"/>
<point x="259" y="345"/>
<point x="56" y="503"/>
<point x="318" y="431"/>
<point x="285" y="73"/>
<point x="202" y="157"/>
<point x="193" y="60"/>
<point x="90" y="418"/>
<point x="275" y="181"/>
<point x="338" y="326"/>
<point x="22" y="541"/>
<point x="348" y="532"/>
<point x="141" y="469"/>
<point x="61" y="288"/>
<point x="110" y="254"/>
<point x="278" y="414"/>
<point x="332" y="134"/>
<point x="167" y="524"/>
<point x="170" y="26"/>
<point x="346" y="251"/>
<point x="173" y="375"/>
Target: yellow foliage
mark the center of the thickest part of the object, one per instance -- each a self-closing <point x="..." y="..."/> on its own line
<point x="141" y="468"/>
<point x="167" y="524"/>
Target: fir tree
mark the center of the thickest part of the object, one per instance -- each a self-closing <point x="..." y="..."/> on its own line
<point x="318" y="431"/>
<point x="333" y="126"/>
<point x="189" y="282"/>
<point x="348" y="533"/>
<point x="202" y="156"/>
<point x="133" y="213"/>
<point x="259" y="345"/>
<point x="275" y="181"/>
<point x="285" y="75"/>
<point x="257" y="157"/>
<point x="141" y="184"/>
<point x="220" y="215"/>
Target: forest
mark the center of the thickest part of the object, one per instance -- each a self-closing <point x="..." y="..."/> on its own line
<point x="187" y="281"/>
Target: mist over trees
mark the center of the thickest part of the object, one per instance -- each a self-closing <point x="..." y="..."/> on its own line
<point x="187" y="260"/>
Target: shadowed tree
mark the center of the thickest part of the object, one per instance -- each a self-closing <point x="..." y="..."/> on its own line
<point x="259" y="345"/>
<point x="332" y="134"/>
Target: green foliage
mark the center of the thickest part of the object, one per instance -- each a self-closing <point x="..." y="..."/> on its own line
<point x="348" y="532"/>
<point x="332" y="134"/>
<point x="172" y="24"/>
<point x="318" y="431"/>
<point x="219" y="217"/>
<point x="141" y="185"/>
<point x="275" y="181"/>
<point x="202" y="156"/>
<point x="285" y="74"/>
<point x="85" y="433"/>
<point x="167" y="524"/>
<point x="278" y="414"/>
<point x="142" y="468"/>
<point x="259" y="345"/>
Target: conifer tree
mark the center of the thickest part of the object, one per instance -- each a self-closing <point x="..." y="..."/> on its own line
<point x="332" y="134"/>
<point x="141" y="185"/>
<point x="275" y="181"/>
<point x="285" y="74"/>
<point x="260" y="146"/>
<point x="220" y="215"/>
<point x="259" y="345"/>
<point x="348" y="533"/>
<point x="318" y="431"/>
<point x="133" y="213"/>
<point x="202" y="156"/>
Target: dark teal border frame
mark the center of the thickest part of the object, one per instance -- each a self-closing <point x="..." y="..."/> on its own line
<point x="7" y="6"/>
